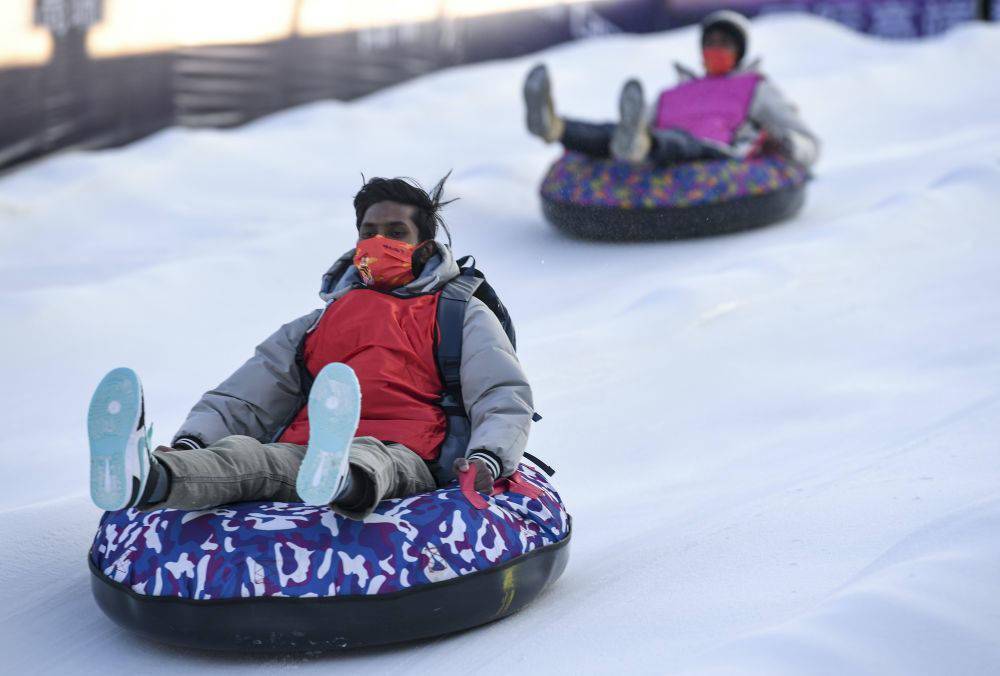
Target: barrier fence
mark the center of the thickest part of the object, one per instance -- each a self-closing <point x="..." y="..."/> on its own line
<point x="101" y="73"/>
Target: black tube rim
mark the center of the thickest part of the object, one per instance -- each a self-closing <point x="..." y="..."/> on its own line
<point x="269" y="624"/>
<point x="671" y="223"/>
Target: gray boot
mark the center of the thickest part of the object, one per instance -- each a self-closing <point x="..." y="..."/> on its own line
<point x="630" y="141"/>
<point x="541" y="113"/>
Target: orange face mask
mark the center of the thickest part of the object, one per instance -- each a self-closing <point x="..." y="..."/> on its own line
<point x="718" y="60"/>
<point x="383" y="263"/>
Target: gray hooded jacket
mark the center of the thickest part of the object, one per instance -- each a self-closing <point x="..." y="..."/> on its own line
<point x="263" y="396"/>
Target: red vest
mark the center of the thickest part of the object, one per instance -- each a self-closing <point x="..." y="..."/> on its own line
<point x="389" y="342"/>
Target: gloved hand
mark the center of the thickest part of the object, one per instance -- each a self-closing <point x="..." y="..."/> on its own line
<point x="484" y="478"/>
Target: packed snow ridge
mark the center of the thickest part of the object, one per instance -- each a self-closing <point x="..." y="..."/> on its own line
<point x="780" y="448"/>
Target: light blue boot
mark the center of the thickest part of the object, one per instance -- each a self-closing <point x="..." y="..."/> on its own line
<point x="119" y="441"/>
<point x="334" y="411"/>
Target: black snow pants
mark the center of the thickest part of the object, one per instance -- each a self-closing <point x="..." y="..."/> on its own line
<point x="670" y="146"/>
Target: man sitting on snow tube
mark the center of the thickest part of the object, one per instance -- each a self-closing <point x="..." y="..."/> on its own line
<point x="732" y="111"/>
<point x="246" y="439"/>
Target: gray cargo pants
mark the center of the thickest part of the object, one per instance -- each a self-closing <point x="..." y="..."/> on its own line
<point x="241" y="469"/>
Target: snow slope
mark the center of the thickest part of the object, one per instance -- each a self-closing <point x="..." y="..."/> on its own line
<point x="780" y="448"/>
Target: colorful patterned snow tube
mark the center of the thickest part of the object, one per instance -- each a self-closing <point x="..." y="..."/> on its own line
<point x="612" y="200"/>
<point x="284" y="577"/>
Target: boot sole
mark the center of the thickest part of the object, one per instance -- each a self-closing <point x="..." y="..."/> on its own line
<point x="631" y="106"/>
<point x="334" y="412"/>
<point x="537" y="92"/>
<point x="114" y="414"/>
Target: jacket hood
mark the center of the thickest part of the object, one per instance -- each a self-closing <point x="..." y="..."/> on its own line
<point x="342" y="275"/>
<point x="734" y="23"/>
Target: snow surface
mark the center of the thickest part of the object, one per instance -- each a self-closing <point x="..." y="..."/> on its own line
<point x="780" y="448"/>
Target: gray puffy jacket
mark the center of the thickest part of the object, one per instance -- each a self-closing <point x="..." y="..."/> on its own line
<point x="263" y="396"/>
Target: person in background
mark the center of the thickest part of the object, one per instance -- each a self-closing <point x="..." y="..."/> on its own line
<point x="732" y="111"/>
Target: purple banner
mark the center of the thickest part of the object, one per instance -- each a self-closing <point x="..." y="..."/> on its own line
<point x="887" y="18"/>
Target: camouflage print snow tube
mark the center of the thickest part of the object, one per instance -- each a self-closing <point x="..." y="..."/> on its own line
<point x="289" y="577"/>
<point x="612" y="200"/>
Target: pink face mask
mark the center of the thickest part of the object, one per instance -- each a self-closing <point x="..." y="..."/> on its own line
<point x="383" y="263"/>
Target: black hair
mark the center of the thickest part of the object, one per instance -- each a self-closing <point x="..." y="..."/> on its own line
<point x="405" y="191"/>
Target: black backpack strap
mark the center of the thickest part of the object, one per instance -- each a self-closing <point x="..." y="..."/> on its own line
<point x="452" y="303"/>
<point x="542" y="465"/>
